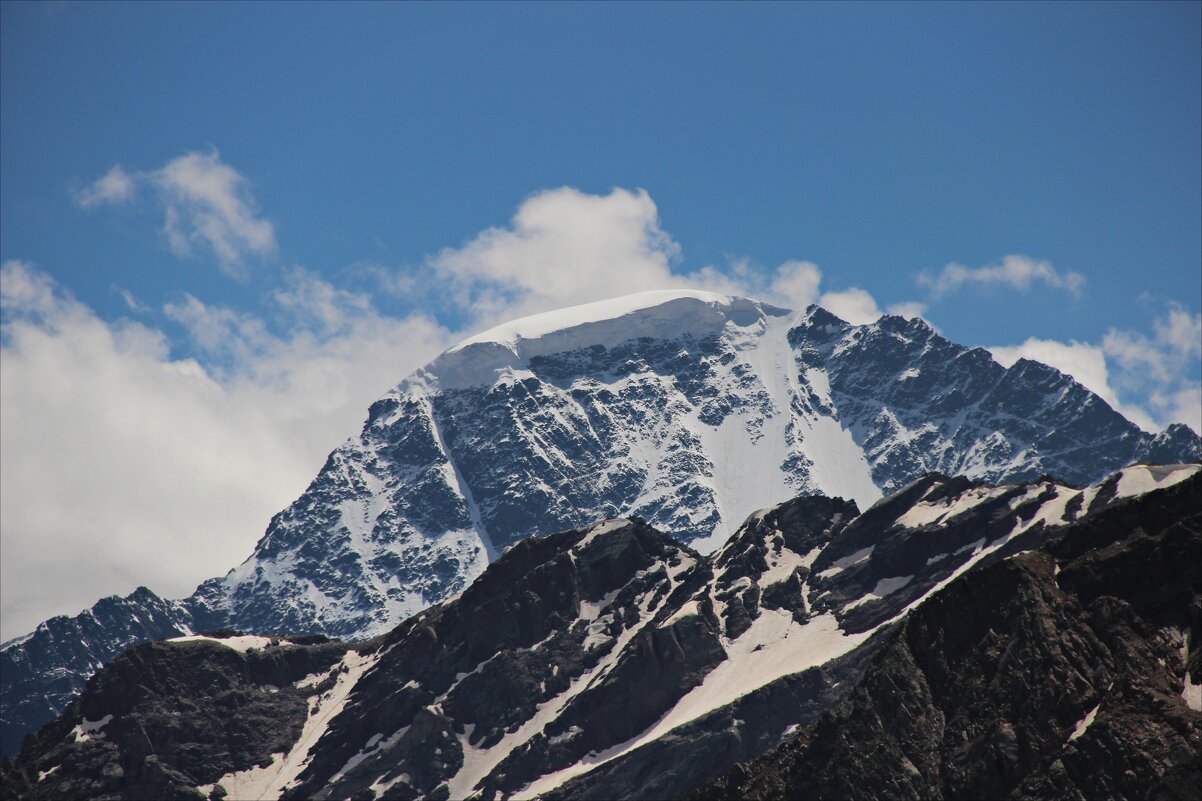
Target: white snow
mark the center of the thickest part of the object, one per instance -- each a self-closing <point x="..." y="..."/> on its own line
<point x="1192" y="693"/>
<point x="604" y="527"/>
<point x="1084" y="723"/>
<point x="923" y="513"/>
<point x="1140" y="479"/>
<point x="839" y="565"/>
<point x="269" y="782"/>
<point x="88" y="729"/>
<point x="773" y="647"/>
<point x="591" y="610"/>
<point x="374" y="745"/>
<point x="478" y="763"/>
<point x="883" y="587"/>
<point x="782" y="564"/>
<point x="690" y="609"/>
<point x="561" y="321"/>
<point x="242" y="643"/>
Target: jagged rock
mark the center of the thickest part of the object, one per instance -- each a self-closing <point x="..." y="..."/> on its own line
<point x="1055" y="673"/>
<point x="600" y="662"/>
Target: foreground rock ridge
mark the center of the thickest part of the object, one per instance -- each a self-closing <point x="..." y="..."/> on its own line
<point x="1072" y="671"/>
<point x="687" y="409"/>
<point x="612" y="661"/>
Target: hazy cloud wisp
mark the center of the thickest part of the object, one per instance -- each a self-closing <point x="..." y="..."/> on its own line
<point x="1014" y="271"/>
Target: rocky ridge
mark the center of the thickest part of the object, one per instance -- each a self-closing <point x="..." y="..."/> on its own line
<point x="1071" y="671"/>
<point x="511" y="688"/>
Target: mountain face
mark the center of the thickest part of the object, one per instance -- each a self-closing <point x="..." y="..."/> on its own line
<point x="687" y="409"/>
<point x="613" y="661"/>
<point x="1073" y="671"/>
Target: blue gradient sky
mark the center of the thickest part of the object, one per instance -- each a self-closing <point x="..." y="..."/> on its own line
<point x="876" y="141"/>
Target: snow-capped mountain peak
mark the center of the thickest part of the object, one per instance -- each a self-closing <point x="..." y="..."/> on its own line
<point x="689" y="410"/>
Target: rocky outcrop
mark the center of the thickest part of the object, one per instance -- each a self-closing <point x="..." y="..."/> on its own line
<point x="44" y="671"/>
<point x="1063" y="672"/>
<point x="168" y="717"/>
<point x="600" y="662"/>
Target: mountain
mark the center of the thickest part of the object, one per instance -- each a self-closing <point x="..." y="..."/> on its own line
<point x="687" y="409"/>
<point x="613" y="661"/>
<point x="690" y="410"/>
<point x="1073" y="671"/>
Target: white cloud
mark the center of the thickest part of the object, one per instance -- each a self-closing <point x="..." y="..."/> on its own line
<point x="795" y="284"/>
<point x="565" y="247"/>
<point x="854" y="305"/>
<point x="208" y="202"/>
<point x="562" y="247"/>
<point x="1144" y="378"/>
<point x="205" y="203"/>
<point x="115" y="186"/>
<point x="910" y="309"/>
<point x="1014" y="271"/>
<point x="122" y="465"/>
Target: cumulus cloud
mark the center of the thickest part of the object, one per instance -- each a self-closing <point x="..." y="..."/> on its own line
<point x="910" y="309"/>
<point x="1143" y="377"/>
<point x="564" y="247"/>
<point x="1014" y="271"/>
<point x="205" y="203"/>
<point x="854" y="305"/>
<point x="122" y="465"/>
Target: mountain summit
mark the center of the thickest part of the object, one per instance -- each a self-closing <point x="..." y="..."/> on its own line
<point x="690" y="410"/>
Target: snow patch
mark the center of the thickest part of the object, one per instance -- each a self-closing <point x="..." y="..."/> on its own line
<point x="242" y="643"/>
<point x="1084" y="723"/>
<point x="270" y="781"/>
<point x="1141" y="478"/>
<point x="89" y="729"/>
<point x="773" y="647"/>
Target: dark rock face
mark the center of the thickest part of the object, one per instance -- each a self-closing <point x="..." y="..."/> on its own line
<point x="1056" y="673"/>
<point x="44" y="672"/>
<point x="611" y="662"/>
<point x="167" y="717"/>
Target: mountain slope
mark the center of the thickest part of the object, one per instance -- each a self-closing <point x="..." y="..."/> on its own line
<point x="687" y="409"/>
<point x="1068" y="672"/>
<point x="512" y="687"/>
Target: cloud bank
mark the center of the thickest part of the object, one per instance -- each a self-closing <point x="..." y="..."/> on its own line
<point x="122" y="465"/>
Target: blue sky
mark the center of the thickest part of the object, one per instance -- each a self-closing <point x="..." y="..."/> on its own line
<point x="342" y="182"/>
